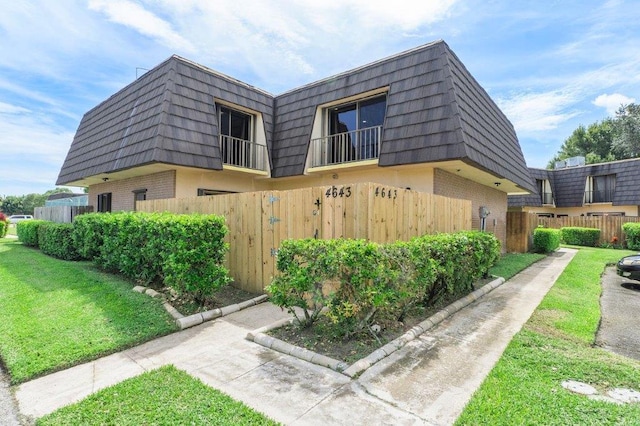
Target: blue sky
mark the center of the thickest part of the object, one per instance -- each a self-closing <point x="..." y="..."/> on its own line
<point x="549" y="65"/>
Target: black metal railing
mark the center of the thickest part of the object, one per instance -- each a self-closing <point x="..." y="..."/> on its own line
<point x="598" y="196"/>
<point x="355" y="145"/>
<point x="243" y="153"/>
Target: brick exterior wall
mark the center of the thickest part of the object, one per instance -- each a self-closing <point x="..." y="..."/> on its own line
<point x="450" y="185"/>
<point x="158" y="185"/>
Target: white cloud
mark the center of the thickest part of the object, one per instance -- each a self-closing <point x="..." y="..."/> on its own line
<point x="11" y="109"/>
<point x="34" y="137"/>
<point x="145" y="22"/>
<point x="612" y="102"/>
<point x="536" y="112"/>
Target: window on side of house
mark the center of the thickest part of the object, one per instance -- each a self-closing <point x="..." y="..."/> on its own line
<point x="139" y="195"/>
<point x="600" y="189"/>
<point x="236" y="134"/>
<point x="104" y="202"/>
<point x="355" y="130"/>
<point x="203" y="192"/>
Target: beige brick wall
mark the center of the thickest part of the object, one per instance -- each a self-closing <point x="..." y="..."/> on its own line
<point x="450" y="185"/>
<point x="158" y="185"/>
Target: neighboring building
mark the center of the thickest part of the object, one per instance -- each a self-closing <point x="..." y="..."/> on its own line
<point x="67" y="199"/>
<point x="584" y="190"/>
<point x="415" y="120"/>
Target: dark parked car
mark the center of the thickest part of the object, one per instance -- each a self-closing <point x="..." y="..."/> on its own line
<point x="629" y="267"/>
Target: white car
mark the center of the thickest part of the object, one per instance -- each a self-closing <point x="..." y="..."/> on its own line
<point x="19" y="217"/>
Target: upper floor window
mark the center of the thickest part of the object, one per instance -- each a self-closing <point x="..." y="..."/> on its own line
<point x="544" y="189"/>
<point x="354" y="132"/>
<point x="237" y="144"/>
<point x="600" y="189"/>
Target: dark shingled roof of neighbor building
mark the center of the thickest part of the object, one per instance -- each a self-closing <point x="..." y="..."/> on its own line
<point x="568" y="184"/>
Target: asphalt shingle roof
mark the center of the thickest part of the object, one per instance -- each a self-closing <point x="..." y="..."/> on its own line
<point x="436" y="111"/>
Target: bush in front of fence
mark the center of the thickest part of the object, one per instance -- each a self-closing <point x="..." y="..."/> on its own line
<point x="546" y="240"/>
<point x="185" y="252"/>
<point x="632" y="235"/>
<point x="55" y="239"/>
<point x="4" y="225"/>
<point x="27" y="231"/>
<point x="579" y="236"/>
<point x="358" y="282"/>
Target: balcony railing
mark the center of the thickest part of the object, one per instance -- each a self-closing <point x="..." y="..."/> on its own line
<point x="243" y="153"/>
<point x="601" y="196"/>
<point x="347" y="147"/>
<point x="547" y="198"/>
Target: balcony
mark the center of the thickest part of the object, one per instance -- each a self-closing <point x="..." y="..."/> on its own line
<point x="347" y="147"/>
<point x="243" y="153"/>
<point x="547" y="198"/>
<point x="601" y="196"/>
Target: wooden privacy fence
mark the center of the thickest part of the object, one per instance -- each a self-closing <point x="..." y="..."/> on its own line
<point x="259" y="221"/>
<point x="520" y="227"/>
<point x="60" y="214"/>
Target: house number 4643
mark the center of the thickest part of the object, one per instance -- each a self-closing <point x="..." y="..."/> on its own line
<point x="335" y="192"/>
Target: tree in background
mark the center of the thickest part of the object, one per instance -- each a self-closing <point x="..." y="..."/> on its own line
<point x="627" y="131"/>
<point x="611" y="139"/>
<point x="26" y="204"/>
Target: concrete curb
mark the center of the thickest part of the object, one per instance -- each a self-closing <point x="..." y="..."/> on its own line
<point x="196" y="319"/>
<point x="260" y="337"/>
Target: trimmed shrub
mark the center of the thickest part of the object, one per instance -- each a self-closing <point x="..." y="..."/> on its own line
<point x="185" y="252"/>
<point x="27" y="231"/>
<point x="579" y="236"/>
<point x="357" y="282"/>
<point x="87" y="234"/>
<point x="4" y="225"/>
<point x="55" y="239"/>
<point x="546" y="240"/>
<point x="632" y="234"/>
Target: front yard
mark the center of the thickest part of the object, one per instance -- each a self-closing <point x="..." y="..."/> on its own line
<point x="56" y="314"/>
<point x="556" y="344"/>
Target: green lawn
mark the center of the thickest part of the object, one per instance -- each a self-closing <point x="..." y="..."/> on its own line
<point x="166" y="396"/>
<point x="556" y="345"/>
<point x="512" y="263"/>
<point x="56" y="314"/>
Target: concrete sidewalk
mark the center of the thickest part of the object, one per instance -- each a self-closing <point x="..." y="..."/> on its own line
<point x="429" y="381"/>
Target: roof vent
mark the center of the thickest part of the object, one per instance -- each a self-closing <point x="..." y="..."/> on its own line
<point x="570" y="162"/>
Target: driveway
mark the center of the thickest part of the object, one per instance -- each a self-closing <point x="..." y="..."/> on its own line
<point x="619" y="329"/>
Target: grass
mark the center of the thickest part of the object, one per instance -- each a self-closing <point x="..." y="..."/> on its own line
<point x="166" y="396"/>
<point x="56" y="314"/>
<point x="556" y="344"/>
<point x="512" y="263"/>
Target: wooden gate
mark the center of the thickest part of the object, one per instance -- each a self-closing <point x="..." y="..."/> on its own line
<point x="259" y="221"/>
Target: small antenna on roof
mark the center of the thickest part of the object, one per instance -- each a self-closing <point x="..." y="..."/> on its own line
<point x="138" y="69"/>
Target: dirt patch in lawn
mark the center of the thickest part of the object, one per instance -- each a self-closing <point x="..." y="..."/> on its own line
<point x="324" y="338"/>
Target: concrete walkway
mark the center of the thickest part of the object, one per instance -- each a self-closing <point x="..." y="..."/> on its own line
<point x="429" y="381"/>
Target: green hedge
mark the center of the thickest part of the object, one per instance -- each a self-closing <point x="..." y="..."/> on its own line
<point x="358" y="282"/>
<point x="632" y="234"/>
<point x="55" y="239"/>
<point x="185" y="252"/>
<point x="579" y="236"/>
<point x="546" y="240"/>
<point x="27" y="231"/>
<point x="4" y="228"/>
